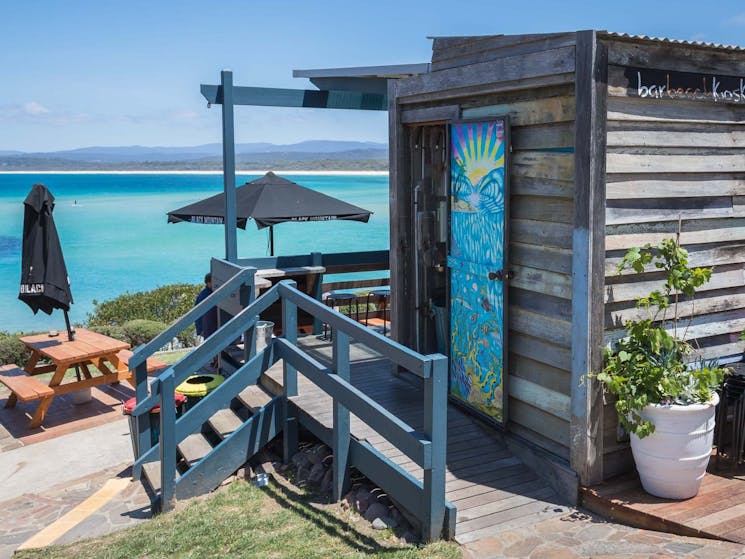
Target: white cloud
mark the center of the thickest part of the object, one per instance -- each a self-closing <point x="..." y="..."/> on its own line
<point x="738" y="19"/>
<point x="33" y="108"/>
<point x="186" y="116"/>
<point x="33" y="112"/>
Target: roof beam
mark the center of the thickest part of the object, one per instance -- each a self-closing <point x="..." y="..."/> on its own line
<point x="315" y="99"/>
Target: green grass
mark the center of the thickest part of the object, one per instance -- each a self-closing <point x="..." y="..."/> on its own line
<point x="275" y="521"/>
<point x="171" y="357"/>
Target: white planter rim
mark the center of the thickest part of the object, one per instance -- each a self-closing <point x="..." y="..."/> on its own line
<point x="683" y="408"/>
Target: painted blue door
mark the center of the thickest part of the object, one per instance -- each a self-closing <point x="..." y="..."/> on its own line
<point x="477" y="261"/>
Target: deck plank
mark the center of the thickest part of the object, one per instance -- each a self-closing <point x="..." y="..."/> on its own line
<point x="718" y="511"/>
<point x="493" y="486"/>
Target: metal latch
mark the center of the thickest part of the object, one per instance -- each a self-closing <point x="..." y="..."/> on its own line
<point x="502" y="275"/>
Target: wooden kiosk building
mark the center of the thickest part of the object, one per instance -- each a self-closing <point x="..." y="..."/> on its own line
<point x="521" y="169"/>
<point x="611" y="141"/>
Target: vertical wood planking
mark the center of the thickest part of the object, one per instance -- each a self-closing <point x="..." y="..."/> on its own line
<point x="341" y="418"/>
<point x="588" y="250"/>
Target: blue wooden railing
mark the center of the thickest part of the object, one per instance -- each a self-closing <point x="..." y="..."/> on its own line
<point x="424" y="499"/>
<point x="243" y="278"/>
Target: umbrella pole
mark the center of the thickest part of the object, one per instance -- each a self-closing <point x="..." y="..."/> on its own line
<point x="271" y="240"/>
<point x="70" y="333"/>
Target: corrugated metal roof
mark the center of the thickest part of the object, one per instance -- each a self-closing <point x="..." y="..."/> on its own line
<point x="389" y="71"/>
<point x="672" y="41"/>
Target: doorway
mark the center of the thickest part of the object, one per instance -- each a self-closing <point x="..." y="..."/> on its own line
<point x="478" y="265"/>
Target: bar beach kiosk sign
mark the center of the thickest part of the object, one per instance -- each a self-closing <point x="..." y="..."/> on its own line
<point x="684" y="86"/>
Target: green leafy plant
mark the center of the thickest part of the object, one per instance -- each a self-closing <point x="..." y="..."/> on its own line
<point x="162" y="305"/>
<point x="12" y="349"/>
<point x="652" y="365"/>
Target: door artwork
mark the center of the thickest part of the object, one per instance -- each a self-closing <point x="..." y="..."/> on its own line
<point x="477" y="262"/>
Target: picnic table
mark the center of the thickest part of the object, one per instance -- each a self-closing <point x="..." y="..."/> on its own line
<point x="100" y="360"/>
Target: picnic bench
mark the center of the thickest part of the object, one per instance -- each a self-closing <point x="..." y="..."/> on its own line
<point x="98" y="359"/>
<point x="22" y="386"/>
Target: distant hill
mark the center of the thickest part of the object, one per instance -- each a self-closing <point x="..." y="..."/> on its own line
<point x="314" y="153"/>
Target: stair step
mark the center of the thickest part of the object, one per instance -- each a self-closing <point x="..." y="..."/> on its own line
<point x="224" y="422"/>
<point x="193" y="448"/>
<point x="273" y="380"/>
<point x="255" y="397"/>
<point x="152" y="474"/>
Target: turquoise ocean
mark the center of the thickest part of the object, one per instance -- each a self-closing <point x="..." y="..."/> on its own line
<point x="116" y="239"/>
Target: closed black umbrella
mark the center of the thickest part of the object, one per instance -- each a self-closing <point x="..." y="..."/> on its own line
<point x="269" y="200"/>
<point x="45" y="285"/>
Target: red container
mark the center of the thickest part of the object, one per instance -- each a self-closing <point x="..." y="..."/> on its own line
<point x="129" y="405"/>
<point x="178" y="399"/>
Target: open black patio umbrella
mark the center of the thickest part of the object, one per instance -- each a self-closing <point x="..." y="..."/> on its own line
<point x="269" y="200"/>
<point x="45" y="285"/>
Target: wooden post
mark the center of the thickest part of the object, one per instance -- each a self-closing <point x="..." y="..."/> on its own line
<point x="246" y="296"/>
<point x="399" y="208"/>
<point x="317" y="260"/>
<point x="142" y="423"/>
<point x="167" y="443"/>
<point x="289" y="374"/>
<point x="228" y="166"/>
<point x="341" y="418"/>
<point x="435" y="426"/>
<point x="588" y="257"/>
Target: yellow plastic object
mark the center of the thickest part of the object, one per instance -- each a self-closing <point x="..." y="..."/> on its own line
<point x="200" y="385"/>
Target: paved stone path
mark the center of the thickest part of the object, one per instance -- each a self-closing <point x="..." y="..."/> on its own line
<point x="583" y="535"/>
<point x="24" y="516"/>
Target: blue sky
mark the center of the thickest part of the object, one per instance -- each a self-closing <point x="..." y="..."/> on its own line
<point x="105" y="72"/>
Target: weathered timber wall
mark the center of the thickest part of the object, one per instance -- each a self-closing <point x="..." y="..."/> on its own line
<point x="529" y="78"/>
<point x="671" y="159"/>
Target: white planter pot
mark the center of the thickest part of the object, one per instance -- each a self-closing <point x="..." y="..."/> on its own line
<point x="672" y="461"/>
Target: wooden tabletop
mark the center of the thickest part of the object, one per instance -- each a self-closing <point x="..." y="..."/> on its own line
<point x="87" y="345"/>
<point x="288" y="272"/>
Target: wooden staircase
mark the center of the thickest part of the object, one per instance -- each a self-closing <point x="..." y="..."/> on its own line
<point x="250" y="403"/>
<point x="196" y="452"/>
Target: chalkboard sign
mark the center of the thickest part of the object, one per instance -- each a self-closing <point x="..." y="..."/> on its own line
<point x="648" y="83"/>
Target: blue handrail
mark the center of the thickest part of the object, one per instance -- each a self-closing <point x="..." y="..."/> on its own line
<point x="141" y="353"/>
<point x="426" y="448"/>
<point x="201" y="355"/>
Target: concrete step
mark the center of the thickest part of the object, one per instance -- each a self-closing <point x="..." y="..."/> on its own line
<point x="224" y="422"/>
<point x="193" y="448"/>
<point x="255" y="397"/>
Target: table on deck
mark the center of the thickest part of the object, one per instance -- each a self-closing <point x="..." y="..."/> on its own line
<point x="91" y="352"/>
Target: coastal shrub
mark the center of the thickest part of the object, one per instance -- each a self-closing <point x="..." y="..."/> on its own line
<point x="140" y="331"/>
<point x="111" y="330"/>
<point x="12" y="350"/>
<point x="162" y="305"/>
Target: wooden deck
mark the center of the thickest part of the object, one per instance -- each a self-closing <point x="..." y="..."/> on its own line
<point x="492" y="489"/>
<point x="717" y="512"/>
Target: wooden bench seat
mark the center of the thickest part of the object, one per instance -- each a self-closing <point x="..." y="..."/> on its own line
<point x="153" y="365"/>
<point x="24" y="387"/>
